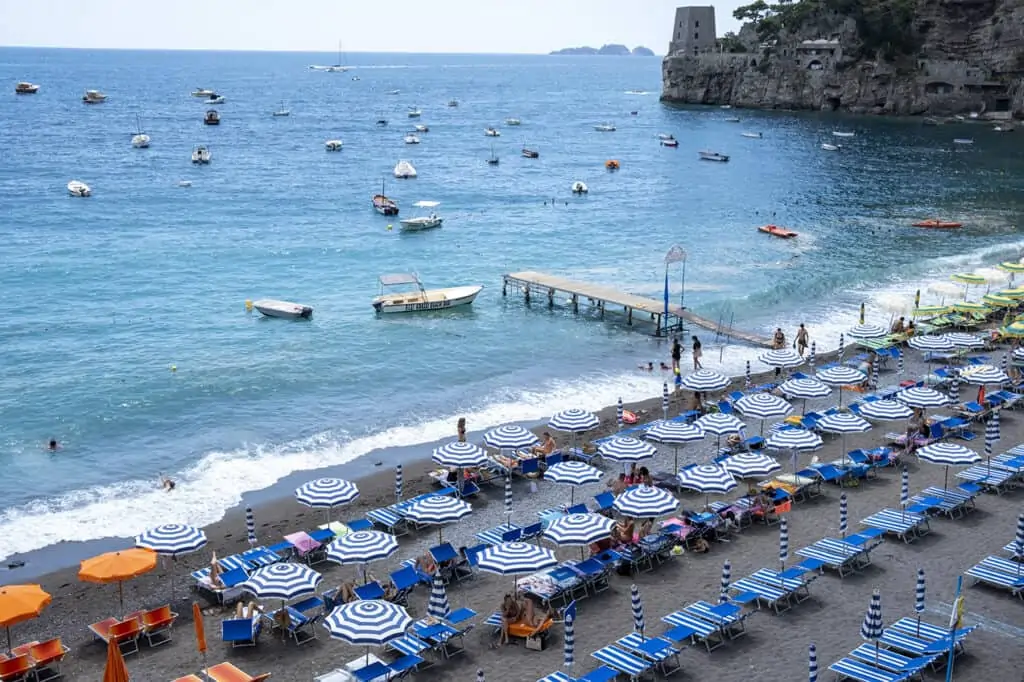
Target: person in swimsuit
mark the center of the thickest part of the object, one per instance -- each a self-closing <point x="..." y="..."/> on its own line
<point x="801" y="339"/>
<point x="779" y="339"/>
<point x="698" y="351"/>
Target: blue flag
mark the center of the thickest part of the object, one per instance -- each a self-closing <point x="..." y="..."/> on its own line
<point x="666" y="297"/>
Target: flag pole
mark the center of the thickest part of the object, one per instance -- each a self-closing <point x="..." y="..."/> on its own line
<point x="954" y="624"/>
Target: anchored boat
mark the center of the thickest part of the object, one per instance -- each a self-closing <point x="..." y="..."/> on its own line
<point x="936" y="224"/>
<point x="776" y="231"/>
<point x="419" y="299"/>
<point x="713" y="156"/>
<point x="283" y="309"/>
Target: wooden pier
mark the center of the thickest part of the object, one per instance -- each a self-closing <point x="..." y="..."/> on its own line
<point x="544" y="286"/>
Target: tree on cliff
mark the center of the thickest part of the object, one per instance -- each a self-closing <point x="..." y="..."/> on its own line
<point x="755" y="12"/>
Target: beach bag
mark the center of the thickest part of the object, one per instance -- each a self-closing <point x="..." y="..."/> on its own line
<point x="535" y="643"/>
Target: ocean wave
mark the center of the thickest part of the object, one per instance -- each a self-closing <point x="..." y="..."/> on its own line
<point x="216" y="483"/>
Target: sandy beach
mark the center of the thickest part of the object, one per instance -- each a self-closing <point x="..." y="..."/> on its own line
<point x="774" y="648"/>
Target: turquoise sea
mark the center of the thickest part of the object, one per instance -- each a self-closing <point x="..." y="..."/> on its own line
<point x="105" y="295"/>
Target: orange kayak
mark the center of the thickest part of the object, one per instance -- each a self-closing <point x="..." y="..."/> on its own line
<point x="938" y="224"/>
<point x="776" y="231"/>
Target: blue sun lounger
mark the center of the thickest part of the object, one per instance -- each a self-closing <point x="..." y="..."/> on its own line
<point x="852" y="669"/>
<point x="774" y="596"/>
<point x="506" y="532"/>
<point x="992" y="477"/>
<point x="599" y="674"/>
<point x="1011" y="548"/>
<point x="892" y="661"/>
<point x="904" y="525"/>
<point x="690" y="627"/>
<point x="622" y="661"/>
<point x="841" y="563"/>
<point x="996" y="574"/>
<point x="934" y="633"/>
<point x="389" y="520"/>
<point x="794" y="579"/>
<point x="728" y="617"/>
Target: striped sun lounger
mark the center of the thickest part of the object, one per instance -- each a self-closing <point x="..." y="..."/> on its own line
<point x="776" y="596"/>
<point x="852" y="669"/>
<point x="994" y="478"/>
<point x="959" y="501"/>
<point x="892" y="661"/>
<point x="623" y="661"/>
<point x="798" y="586"/>
<point x="1011" y="548"/>
<point x="558" y="676"/>
<point x="993" y="571"/>
<point x="903" y="525"/>
<point x="931" y="632"/>
<point x="661" y="653"/>
<point x="496" y="535"/>
<point x="389" y="519"/>
<point x="728" y="617"/>
<point x="702" y="631"/>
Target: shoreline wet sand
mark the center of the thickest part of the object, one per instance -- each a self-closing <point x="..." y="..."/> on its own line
<point x="775" y="646"/>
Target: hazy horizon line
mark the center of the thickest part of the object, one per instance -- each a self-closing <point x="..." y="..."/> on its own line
<point x="327" y="52"/>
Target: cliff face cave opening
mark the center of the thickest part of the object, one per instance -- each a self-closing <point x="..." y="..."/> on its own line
<point x="833" y="103"/>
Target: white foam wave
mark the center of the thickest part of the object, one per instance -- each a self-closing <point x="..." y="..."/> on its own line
<point x="217" y="482"/>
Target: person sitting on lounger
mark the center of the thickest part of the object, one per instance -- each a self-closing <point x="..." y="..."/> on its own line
<point x="645" y="476"/>
<point x="909" y="329"/>
<point x="546" y="447"/>
<point x="509" y="614"/>
<point x="426" y="564"/>
<point x="250" y="610"/>
<point x="617" y="484"/>
<point x="643" y="530"/>
<point x="898" y="327"/>
<point x="347" y="592"/>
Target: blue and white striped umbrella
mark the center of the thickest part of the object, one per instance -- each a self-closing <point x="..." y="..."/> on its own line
<point x="707" y="479"/>
<point x="637" y="607"/>
<point x="747" y="379"/>
<point x="812" y="358"/>
<point x="172" y="539"/>
<point x="805" y="388"/>
<point x="1018" y="542"/>
<point x="250" y="527"/>
<point x="618" y="413"/>
<point x="398" y="482"/>
<point x="508" y="496"/>
<point x="574" y="421"/>
<point x="362" y="547"/>
<point x="579" y="530"/>
<point x="922" y="396"/>
<point x="326" y="493"/>
<point x="1004" y="364"/>
<point x="843" y="515"/>
<point x="437" y="510"/>
<point x="723" y="595"/>
<point x="874" y="374"/>
<point x="919" y="591"/>
<point x="369" y="622"/>
<point x="841" y="375"/>
<point x="569" y="639"/>
<point x="459" y="454"/>
<point x="793" y="439"/>
<point x="285" y="581"/>
<point x="510" y="437"/>
<point x="871" y="628"/>
<point x="626" y="449"/>
<point x="645" y="502"/>
<point x="885" y="410"/>
<point x="904" y="488"/>
<point x="842" y="344"/>
<point x="899" y="363"/>
<point x="783" y="541"/>
<point x="515" y="558"/>
<point x="674" y="433"/>
<point x="664" y="400"/>
<point x="950" y="454"/>
<point x="843" y="422"/>
<point x="937" y="343"/>
<point x="438" y="606"/>
<point x="954" y="388"/>
<point x="782" y="357"/>
<point x="750" y="464"/>
<point x="991" y="433"/>
<point x="1018" y="354"/>
<point x="985" y="375"/>
<point x="704" y="380"/>
<point x="812" y="663"/>
<point x="480" y="675"/>
<point x="572" y="473"/>
<point x="763" y="406"/>
<point x="964" y="340"/>
<point x="867" y="331"/>
<point x="720" y="424"/>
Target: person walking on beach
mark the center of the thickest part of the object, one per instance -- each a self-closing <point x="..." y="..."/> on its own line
<point x="697" y="353"/>
<point x="677" y="353"/>
<point x="801" y="340"/>
<point x="461" y="427"/>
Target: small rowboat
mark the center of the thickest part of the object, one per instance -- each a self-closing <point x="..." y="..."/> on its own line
<point x="776" y="231"/>
<point x="935" y="224"/>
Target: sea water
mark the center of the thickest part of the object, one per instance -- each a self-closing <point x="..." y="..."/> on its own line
<point x="125" y="334"/>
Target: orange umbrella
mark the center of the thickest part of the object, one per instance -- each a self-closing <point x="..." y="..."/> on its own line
<point x="197" y="619"/>
<point x="117" y="567"/>
<point x="19" y="603"/>
<point x="115" y="670"/>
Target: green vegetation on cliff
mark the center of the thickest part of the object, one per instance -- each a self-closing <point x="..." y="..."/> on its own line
<point x="884" y="27"/>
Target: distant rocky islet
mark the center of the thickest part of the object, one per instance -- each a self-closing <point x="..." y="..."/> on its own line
<point x="612" y="49"/>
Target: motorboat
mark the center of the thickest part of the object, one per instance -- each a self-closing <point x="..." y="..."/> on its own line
<point x="382" y="121"/>
<point x="732" y="119"/>
<point x="453" y="102"/>
<point x="418" y="299"/>
<point x="77" y="188"/>
<point x="636" y="92"/>
<point x="282" y="112"/>
<point x="491" y="132"/>
<point x="842" y="133"/>
<point x="963" y="140"/>
<point x="670" y="143"/>
<point x="605" y="128"/>
<point x="424" y="222"/>
<point x="755" y="136"/>
<point x="411" y="139"/>
<point x="203" y="92"/>
<point x="26" y="88"/>
<point x="215" y="99"/>
<point x="421" y="129"/>
<point x="212" y="118"/>
<point x="415" y="113"/>
<point x="1004" y="128"/>
<point x="140" y="141"/>
<point x="634" y="113"/>
<point x="395" y="92"/>
<point x="831" y="147"/>
<point x="184" y="183"/>
<point x="936" y="224"/>
<point x="333" y="145"/>
<point x="93" y="97"/>
<point x="612" y="164"/>
<point x="725" y="106"/>
<point x="930" y="121"/>
<point x="713" y="156"/>
<point x="579" y="187"/>
<point x="201" y="155"/>
<point x="384" y="205"/>
<point x="531" y="153"/>
<point x="513" y="122"/>
<point x="283" y="309"/>
<point x="404" y="169"/>
<point x="776" y="231"/>
<point x="666" y="136"/>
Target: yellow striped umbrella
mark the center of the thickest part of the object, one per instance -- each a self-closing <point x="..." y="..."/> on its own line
<point x="968" y="278"/>
<point x="931" y="310"/>
<point x="971" y="307"/>
<point x="997" y="301"/>
<point x="1010" y="266"/>
<point x="1016" y="330"/>
<point x="1013" y="293"/>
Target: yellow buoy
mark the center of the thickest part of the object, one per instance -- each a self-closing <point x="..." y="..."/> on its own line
<point x="248" y="305"/>
<point x="389" y="227"/>
<point x="174" y="368"/>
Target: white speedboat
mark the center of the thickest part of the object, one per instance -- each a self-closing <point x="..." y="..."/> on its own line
<point x="605" y="128"/>
<point x="424" y="222"/>
<point x="184" y="183"/>
<point x="831" y="147"/>
<point x="417" y="299"/>
<point x="415" y="113"/>
<point x="395" y="92"/>
<point x="963" y="140"/>
<point x="842" y="133"/>
<point x="579" y="187"/>
<point x="283" y="309"/>
<point x="26" y="88"/>
<point x="491" y="132"/>
<point x="453" y="102"/>
<point x="411" y="139"/>
<point x="513" y="122"/>
<point x="1004" y="128"/>
<point x="282" y="112"/>
<point x="666" y="136"/>
<point x="77" y="188"/>
<point x="201" y="155"/>
<point x="203" y="92"/>
<point x="421" y="129"/>
<point x="713" y="156"/>
<point x="212" y="118"/>
<point x="215" y="99"/>
<point x="755" y="136"/>
<point x="671" y="142"/>
<point x="404" y="169"/>
<point x="140" y="141"/>
<point x="333" y="145"/>
<point x="93" y="97"/>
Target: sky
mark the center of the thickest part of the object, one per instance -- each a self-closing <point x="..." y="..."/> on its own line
<point x="439" y="26"/>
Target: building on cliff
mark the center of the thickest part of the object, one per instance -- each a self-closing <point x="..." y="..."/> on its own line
<point x="828" y="63"/>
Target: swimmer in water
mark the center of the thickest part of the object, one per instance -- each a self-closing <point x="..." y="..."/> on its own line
<point x="166" y="483"/>
<point x="53" y="445"/>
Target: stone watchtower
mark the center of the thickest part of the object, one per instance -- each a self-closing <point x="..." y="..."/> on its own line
<point x="693" y="32"/>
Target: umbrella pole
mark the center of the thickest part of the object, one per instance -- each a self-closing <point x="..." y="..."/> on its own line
<point x="120" y="595"/>
<point x="675" y="450"/>
<point x="8" y="628"/>
<point x="945" y="479"/>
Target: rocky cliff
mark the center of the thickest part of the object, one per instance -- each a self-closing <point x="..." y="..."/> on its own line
<point x="934" y="57"/>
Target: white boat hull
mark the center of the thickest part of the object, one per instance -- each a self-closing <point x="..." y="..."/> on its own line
<point x="140" y="141"/>
<point x="333" y="145"/>
<point x="579" y="188"/>
<point x="404" y="170"/>
<point x="433" y="299"/>
<point x="830" y="147"/>
<point x="837" y="133"/>
<point x="418" y="224"/>
<point x="283" y="309"/>
<point x="77" y="188"/>
<point x="713" y="156"/>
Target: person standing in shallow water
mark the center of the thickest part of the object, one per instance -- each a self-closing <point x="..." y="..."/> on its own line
<point x="677" y="353"/>
<point x="801" y="339"/>
<point x="461" y="427"/>
<point x="698" y="351"/>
